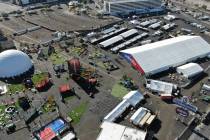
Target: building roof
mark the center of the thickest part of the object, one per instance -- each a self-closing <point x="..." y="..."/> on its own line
<point x="134" y="97"/>
<point x="138" y="115"/>
<point x="130" y="99"/>
<point x="190" y="69"/>
<point x="64" y="88"/>
<point x="129" y="33"/>
<point x="14" y="63"/>
<point x="42" y="84"/>
<point x="130" y="41"/>
<point x="112" y="131"/>
<point x="3" y="89"/>
<point x="111" y="41"/>
<point x="170" y="17"/>
<point x="69" y="136"/>
<point x="159" y="56"/>
<point x="47" y="134"/>
<point x="118" y="38"/>
<point x="155" y="25"/>
<point x="52" y="129"/>
<point x="57" y="125"/>
<point x="206" y="87"/>
<point x="117" y="111"/>
<point x="160" y="86"/>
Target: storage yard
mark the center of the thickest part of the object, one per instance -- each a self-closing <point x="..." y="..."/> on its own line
<point x="78" y="75"/>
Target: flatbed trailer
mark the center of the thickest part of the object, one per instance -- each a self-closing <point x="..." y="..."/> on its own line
<point x="144" y="120"/>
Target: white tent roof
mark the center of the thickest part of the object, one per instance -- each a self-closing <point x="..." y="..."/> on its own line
<point x="162" y="55"/>
<point x="160" y="86"/>
<point x="113" y="131"/>
<point x="138" y="115"/>
<point x="129" y="33"/>
<point x="134" y="97"/>
<point x="111" y="41"/>
<point x="190" y="69"/>
<point x="130" y="99"/>
<point x="69" y="136"/>
<point x="13" y="63"/>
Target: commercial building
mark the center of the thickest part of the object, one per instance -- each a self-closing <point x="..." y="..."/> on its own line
<point x="126" y="7"/>
<point x="133" y="98"/>
<point x="112" y="131"/>
<point x="14" y="63"/>
<point x="190" y="70"/>
<point x="157" y="57"/>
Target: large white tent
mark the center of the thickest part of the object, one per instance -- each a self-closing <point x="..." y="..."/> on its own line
<point x="14" y="63"/>
<point x="156" y="57"/>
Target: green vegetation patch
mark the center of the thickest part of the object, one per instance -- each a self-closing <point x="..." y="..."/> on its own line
<point x="48" y="108"/>
<point x="2" y="108"/>
<point x="101" y="64"/>
<point x="77" y="112"/>
<point x="39" y="77"/>
<point x="2" y="114"/>
<point x="57" y="59"/>
<point x="16" y="87"/>
<point x="50" y="105"/>
<point x="4" y="118"/>
<point x="71" y="97"/>
<point x="119" y="91"/>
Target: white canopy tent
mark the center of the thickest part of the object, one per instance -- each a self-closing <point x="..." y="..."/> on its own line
<point x="190" y="70"/>
<point x="14" y="63"/>
<point x="113" y="131"/>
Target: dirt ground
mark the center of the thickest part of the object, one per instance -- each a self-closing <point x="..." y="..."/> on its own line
<point x="61" y="20"/>
<point x="7" y="7"/>
<point x="200" y="3"/>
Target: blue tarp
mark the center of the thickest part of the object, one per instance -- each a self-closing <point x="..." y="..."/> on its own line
<point x="57" y="125"/>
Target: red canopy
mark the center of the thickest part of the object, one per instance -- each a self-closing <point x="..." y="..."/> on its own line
<point x="42" y="84"/>
<point x="64" y="88"/>
<point x="92" y="81"/>
<point x="47" y="134"/>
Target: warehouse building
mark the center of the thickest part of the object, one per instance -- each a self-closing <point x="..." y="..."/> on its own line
<point x="126" y="7"/>
<point x="160" y="56"/>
